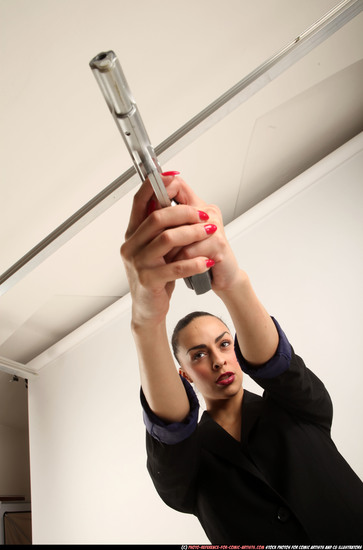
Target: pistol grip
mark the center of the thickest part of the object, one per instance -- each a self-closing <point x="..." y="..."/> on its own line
<point x="200" y="283"/>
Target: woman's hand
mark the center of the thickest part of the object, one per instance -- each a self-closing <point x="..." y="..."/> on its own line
<point x="153" y="242"/>
<point x="226" y="272"/>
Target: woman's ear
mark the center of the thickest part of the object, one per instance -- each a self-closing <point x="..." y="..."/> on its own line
<point x="185" y="375"/>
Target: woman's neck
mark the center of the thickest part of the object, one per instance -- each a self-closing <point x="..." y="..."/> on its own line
<point x="227" y="413"/>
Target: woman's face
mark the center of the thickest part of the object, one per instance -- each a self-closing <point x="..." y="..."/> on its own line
<point x="207" y="358"/>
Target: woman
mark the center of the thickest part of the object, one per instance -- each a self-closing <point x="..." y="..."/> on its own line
<point x="254" y="470"/>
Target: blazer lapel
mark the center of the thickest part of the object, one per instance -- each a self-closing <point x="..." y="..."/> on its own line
<point x="252" y="407"/>
<point x="219" y="442"/>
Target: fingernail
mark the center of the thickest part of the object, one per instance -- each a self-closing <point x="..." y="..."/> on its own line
<point x="210" y="263"/>
<point x="203" y="215"/>
<point x="171" y="173"/>
<point x="151" y="207"/>
<point x="210" y="228"/>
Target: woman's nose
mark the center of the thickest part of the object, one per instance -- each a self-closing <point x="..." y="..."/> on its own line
<point x="218" y="362"/>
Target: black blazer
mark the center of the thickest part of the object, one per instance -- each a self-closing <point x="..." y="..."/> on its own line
<point x="285" y="482"/>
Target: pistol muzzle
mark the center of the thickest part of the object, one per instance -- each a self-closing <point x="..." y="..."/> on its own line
<point x="113" y="84"/>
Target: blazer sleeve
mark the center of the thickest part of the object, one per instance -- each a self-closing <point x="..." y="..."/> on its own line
<point x="174" y="471"/>
<point x="173" y="455"/>
<point x="289" y="383"/>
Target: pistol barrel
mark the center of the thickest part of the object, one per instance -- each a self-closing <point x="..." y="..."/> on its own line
<point x="115" y="89"/>
<point x="111" y="79"/>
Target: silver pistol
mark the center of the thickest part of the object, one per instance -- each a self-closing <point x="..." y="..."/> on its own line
<point x="111" y="79"/>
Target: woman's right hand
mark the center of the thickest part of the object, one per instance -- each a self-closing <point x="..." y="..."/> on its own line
<point x="149" y="239"/>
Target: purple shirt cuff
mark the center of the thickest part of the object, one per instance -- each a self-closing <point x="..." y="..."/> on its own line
<point x="278" y="364"/>
<point x="171" y="433"/>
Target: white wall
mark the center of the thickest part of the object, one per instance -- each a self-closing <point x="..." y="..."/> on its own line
<point x="302" y="248"/>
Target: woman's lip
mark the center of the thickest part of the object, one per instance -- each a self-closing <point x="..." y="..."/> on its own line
<point x="226" y="378"/>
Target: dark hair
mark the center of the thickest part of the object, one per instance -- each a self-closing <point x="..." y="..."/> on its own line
<point x="184" y="322"/>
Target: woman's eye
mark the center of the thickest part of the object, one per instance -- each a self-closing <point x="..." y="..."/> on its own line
<point x="198" y="355"/>
<point x="225" y="344"/>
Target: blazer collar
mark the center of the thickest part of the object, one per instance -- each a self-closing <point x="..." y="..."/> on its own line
<point x="219" y="442"/>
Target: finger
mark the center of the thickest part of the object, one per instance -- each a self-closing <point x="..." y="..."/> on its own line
<point x="139" y="208"/>
<point x="177" y="237"/>
<point x="161" y="275"/>
<point x="145" y="202"/>
<point x="174" y="254"/>
<point x="213" y="248"/>
<point x="178" y="190"/>
<point x="163" y="219"/>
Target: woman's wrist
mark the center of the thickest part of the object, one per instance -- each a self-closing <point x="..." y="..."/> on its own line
<point x="238" y="285"/>
<point x="142" y="326"/>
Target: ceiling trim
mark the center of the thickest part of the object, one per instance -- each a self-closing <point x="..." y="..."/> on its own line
<point x="15" y="368"/>
<point x="216" y="111"/>
<point x="105" y="317"/>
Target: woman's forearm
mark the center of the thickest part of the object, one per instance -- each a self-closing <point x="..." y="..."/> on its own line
<point x="256" y="332"/>
<point x="160" y="381"/>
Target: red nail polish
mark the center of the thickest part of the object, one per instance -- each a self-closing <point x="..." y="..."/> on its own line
<point x="203" y="215"/>
<point x="171" y="173"/>
<point x="210" y="263"/>
<point x="210" y="228"/>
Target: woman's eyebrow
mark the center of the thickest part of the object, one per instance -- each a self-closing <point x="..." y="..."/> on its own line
<point x="199" y="346"/>
<point x="202" y="346"/>
<point x="220" y="336"/>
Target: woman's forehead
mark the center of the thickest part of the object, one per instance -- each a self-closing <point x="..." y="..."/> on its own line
<point x="203" y="329"/>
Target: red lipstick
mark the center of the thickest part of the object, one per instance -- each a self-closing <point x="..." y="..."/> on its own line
<point x="226" y="378"/>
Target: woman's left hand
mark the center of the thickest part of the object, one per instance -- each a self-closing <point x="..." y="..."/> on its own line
<point x="226" y="271"/>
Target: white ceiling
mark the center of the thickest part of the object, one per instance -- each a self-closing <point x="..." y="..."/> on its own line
<point x="60" y="146"/>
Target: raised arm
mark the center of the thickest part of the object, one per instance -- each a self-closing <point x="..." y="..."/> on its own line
<point x="163" y="245"/>
<point x="256" y="333"/>
<point x="152" y="241"/>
